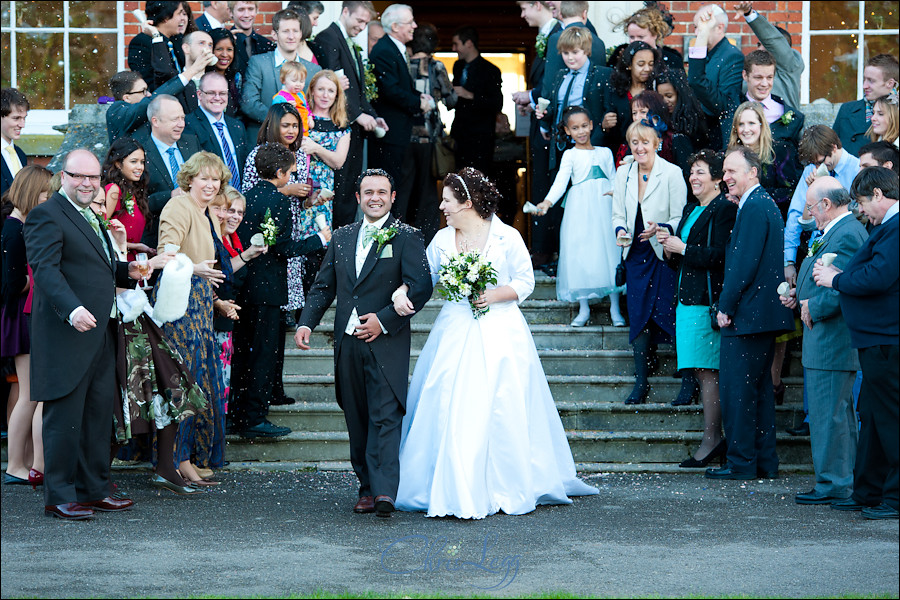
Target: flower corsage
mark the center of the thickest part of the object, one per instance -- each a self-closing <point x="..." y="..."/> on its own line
<point x="814" y="248"/>
<point x="269" y="229"/>
<point x="128" y="203"/>
<point x="371" y="82"/>
<point x="540" y="45"/>
<point x="787" y="118"/>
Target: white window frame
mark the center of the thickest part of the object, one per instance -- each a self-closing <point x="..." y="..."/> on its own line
<point x="41" y="121"/>
<point x="859" y="31"/>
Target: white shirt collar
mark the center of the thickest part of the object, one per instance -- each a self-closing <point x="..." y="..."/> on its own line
<point x="62" y="193"/>
<point x="213" y="22"/>
<point x="891" y="212"/>
<point x="400" y="46"/>
<point x="746" y="195"/>
<point x="547" y="27"/>
<point x="343" y="29"/>
<point x="280" y="58"/>
<point x="4" y="144"/>
<point x="833" y="221"/>
<point x="210" y="116"/>
<point x="362" y="228"/>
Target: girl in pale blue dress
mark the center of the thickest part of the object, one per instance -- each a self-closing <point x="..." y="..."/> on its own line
<point x="588" y="254"/>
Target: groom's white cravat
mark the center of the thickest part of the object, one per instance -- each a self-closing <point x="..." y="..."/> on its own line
<point x="363" y="246"/>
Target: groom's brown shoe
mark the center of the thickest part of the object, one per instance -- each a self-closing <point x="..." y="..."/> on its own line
<point x="366" y="504"/>
<point x="384" y="506"/>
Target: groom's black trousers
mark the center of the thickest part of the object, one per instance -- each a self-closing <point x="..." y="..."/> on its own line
<point x="373" y="414"/>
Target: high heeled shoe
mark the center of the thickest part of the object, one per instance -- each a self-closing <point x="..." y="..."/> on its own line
<point x="720" y="451"/>
<point x="202" y="483"/>
<point x="35" y="478"/>
<point x="639" y="393"/>
<point x="162" y="483"/>
<point x="13" y="480"/>
<point x="779" y="391"/>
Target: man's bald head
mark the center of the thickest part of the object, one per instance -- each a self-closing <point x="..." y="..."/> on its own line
<point x="826" y="200"/>
<point x="80" y="176"/>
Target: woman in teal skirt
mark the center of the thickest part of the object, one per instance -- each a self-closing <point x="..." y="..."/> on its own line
<point x="697" y="253"/>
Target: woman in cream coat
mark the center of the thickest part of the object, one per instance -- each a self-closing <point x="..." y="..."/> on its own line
<point x="649" y="194"/>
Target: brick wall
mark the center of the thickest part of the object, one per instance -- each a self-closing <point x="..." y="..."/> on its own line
<point x="263" y="20"/>
<point x="784" y="13"/>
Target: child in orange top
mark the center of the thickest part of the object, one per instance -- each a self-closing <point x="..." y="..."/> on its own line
<point x="293" y="82"/>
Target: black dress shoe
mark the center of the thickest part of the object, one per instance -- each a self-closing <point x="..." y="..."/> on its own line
<point x="800" y="430"/>
<point x="848" y="505"/>
<point x="880" y="512"/>
<point x="814" y="497"/>
<point x="283" y="401"/>
<point x="70" y="511"/>
<point x="265" y="429"/>
<point x="726" y="473"/>
<point x="779" y="390"/>
<point x="110" y="504"/>
<point x="767" y="474"/>
<point x="384" y="506"/>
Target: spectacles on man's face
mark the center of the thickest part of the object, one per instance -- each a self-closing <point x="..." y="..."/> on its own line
<point x="141" y="92"/>
<point x="215" y="94"/>
<point x="809" y="207"/>
<point x="78" y="177"/>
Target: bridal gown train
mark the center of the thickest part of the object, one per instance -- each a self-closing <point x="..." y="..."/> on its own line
<point x="481" y="432"/>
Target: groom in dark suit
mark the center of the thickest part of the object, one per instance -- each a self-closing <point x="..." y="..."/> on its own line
<point x="73" y="340"/>
<point x="364" y="265"/>
<point x="750" y="315"/>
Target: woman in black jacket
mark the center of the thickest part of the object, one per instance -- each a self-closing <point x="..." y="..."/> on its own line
<point x="697" y="252"/>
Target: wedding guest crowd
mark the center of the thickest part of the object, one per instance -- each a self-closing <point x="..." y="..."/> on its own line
<point x="232" y="156"/>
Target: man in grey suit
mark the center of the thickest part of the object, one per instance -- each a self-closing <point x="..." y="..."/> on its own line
<point x="263" y="80"/>
<point x="830" y="362"/>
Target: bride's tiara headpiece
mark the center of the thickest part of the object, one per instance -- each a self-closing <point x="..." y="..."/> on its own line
<point x="465" y="187"/>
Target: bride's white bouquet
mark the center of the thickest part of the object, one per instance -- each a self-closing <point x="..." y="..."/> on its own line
<point x="466" y="276"/>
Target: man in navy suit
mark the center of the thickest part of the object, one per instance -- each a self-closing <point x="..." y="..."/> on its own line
<point x="869" y="288"/>
<point x="215" y="13"/>
<point x="881" y="75"/>
<point x="750" y="316"/>
<point x="336" y="50"/>
<point x="398" y="101"/>
<point x="166" y="147"/>
<point x="714" y="71"/>
<point x="13" y="110"/>
<point x="215" y="131"/>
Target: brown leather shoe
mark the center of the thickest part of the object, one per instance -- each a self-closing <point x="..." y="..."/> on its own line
<point x="71" y="511"/>
<point x="110" y="504"/>
<point x="384" y="506"/>
<point x="366" y="504"/>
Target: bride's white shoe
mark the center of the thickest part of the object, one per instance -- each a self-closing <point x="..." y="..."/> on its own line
<point x="581" y="320"/>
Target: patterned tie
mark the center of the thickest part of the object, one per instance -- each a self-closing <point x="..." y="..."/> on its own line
<point x="91" y="218"/>
<point x="173" y="165"/>
<point x="172" y="53"/>
<point x="229" y="157"/>
<point x="14" y="164"/>
<point x="369" y="235"/>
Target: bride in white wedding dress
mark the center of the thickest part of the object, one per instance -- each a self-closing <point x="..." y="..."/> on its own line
<point x="481" y="432"/>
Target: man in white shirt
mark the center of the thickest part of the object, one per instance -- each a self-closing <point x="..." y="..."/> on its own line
<point x="13" y="110"/>
<point x="216" y="131"/>
<point x="215" y="13"/>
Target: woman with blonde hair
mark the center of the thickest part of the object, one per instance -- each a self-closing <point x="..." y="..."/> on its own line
<point x="780" y="166"/>
<point x="885" y="120"/>
<point x="30" y="187"/>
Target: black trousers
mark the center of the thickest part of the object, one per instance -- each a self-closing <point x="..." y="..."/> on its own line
<point x="544" y="230"/>
<point x="77" y="431"/>
<point x="373" y="415"/>
<point x="417" y="190"/>
<point x="255" y="370"/>
<point x="875" y="476"/>
<point x="344" y="205"/>
<point x="748" y="402"/>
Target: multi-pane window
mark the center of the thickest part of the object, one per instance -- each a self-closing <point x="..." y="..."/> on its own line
<point x="834" y="34"/>
<point x="60" y="53"/>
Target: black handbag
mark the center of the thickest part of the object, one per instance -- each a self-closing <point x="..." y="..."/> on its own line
<point x="713" y="306"/>
<point x="620" y="270"/>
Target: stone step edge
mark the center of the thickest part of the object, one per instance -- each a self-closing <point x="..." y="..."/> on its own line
<point x="584" y="468"/>
<point x="551" y="379"/>
<point x="561" y="405"/>
<point x="571" y="435"/>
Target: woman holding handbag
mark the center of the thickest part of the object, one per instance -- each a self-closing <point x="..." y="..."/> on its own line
<point x="697" y="253"/>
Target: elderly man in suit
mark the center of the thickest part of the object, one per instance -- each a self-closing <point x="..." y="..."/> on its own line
<point x="73" y="340"/>
<point x="13" y="111"/>
<point x="337" y="51"/>
<point x="750" y="317"/>
<point x="166" y="147"/>
<point x="263" y="71"/>
<point x="869" y="288"/>
<point x="830" y="363"/>
<point x="215" y="13"/>
<point x="398" y="101"/>
<point x="216" y="131"/>
<point x="714" y="69"/>
<point x="880" y="76"/>
<point x="362" y="268"/>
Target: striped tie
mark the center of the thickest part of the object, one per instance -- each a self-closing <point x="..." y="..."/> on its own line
<point x="173" y="166"/>
<point x="229" y="157"/>
<point x="172" y="53"/>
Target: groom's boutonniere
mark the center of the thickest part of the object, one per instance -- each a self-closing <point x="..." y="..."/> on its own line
<point x="540" y="45"/>
<point x="383" y="236"/>
<point x="787" y="118"/>
<point x="815" y="247"/>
